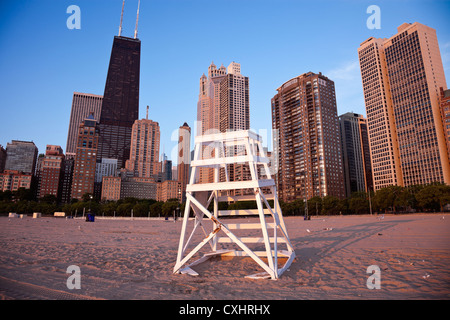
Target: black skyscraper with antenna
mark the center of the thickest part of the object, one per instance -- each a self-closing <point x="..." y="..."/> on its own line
<point x="120" y="106"/>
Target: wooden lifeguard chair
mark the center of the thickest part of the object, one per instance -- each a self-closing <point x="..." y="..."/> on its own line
<point x="199" y="196"/>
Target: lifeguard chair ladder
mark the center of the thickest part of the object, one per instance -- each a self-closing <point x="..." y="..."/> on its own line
<point x="200" y="195"/>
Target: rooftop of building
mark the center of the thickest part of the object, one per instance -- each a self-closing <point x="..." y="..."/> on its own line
<point x="304" y="75"/>
<point x="21" y="142"/>
<point x="400" y="29"/>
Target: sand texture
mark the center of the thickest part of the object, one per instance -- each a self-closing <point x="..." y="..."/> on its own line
<point x="134" y="259"/>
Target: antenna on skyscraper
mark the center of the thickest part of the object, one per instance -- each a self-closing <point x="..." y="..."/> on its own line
<point x="147" y="114"/>
<point x="137" y="20"/>
<point x="121" y="19"/>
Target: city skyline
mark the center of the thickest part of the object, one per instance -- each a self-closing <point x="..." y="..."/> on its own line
<point x="78" y="61"/>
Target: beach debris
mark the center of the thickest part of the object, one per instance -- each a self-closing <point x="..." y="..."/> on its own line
<point x="426" y="276"/>
<point x="380" y="234"/>
<point x="307" y="230"/>
<point x="328" y="229"/>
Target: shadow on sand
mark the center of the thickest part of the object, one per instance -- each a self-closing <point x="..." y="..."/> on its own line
<point x="336" y="240"/>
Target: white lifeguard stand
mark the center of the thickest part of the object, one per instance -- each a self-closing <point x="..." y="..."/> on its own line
<point x="200" y="195"/>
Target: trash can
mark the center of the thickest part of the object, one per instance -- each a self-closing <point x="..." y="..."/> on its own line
<point x="90" y="217"/>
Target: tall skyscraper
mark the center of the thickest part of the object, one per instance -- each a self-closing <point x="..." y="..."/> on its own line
<point x="234" y="109"/>
<point x="144" y="156"/>
<point x="401" y="79"/>
<point x="208" y="112"/>
<point x="223" y="106"/>
<point x="66" y="190"/>
<point x="355" y="153"/>
<point x="51" y="172"/>
<point x="308" y="152"/>
<point x="21" y="156"/>
<point x="208" y="107"/>
<point x="85" y="159"/>
<point x="445" y="113"/>
<point x="83" y="104"/>
<point x="234" y="115"/>
<point x="120" y="106"/>
<point x="223" y="100"/>
<point x="184" y="157"/>
<point x="383" y="139"/>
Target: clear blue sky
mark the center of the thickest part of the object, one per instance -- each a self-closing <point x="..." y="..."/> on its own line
<point x="42" y="62"/>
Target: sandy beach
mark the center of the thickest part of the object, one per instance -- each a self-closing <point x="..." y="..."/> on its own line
<point x="134" y="259"/>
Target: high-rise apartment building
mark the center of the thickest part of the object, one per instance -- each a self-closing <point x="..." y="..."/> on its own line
<point x="208" y="110"/>
<point x="208" y="106"/>
<point x="445" y="113"/>
<point x="51" y="172"/>
<point x="308" y="145"/>
<point x="234" y="115"/>
<point x="83" y="104"/>
<point x="204" y="108"/>
<point x="120" y="105"/>
<point x="66" y="190"/>
<point x="380" y="117"/>
<point x="355" y="153"/>
<point x="86" y="158"/>
<point x="21" y="156"/>
<point x="223" y="100"/>
<point x="2" y="158"/>
<point x="401" y="79"/>
<point x="37" y="173"/>
<point x="144" y="155"/>
<point x="184" y="157"/>
<point x="234" y="108"/>
<point x="223" y="106"/>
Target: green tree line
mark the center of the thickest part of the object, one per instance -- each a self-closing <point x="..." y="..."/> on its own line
<point x="393" y="199"/>
<point x="22" y="202"/>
